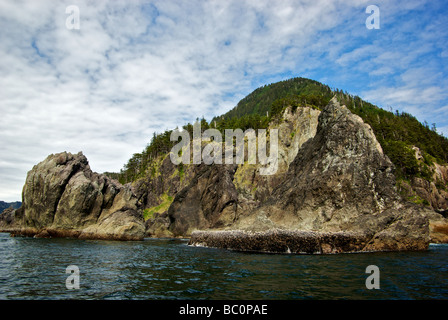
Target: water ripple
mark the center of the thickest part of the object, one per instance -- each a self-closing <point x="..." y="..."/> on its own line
<point x="169" y="269"/>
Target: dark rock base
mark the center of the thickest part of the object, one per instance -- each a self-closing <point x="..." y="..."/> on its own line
<point x="280" y="241"/>
<point x="289" y="242"/>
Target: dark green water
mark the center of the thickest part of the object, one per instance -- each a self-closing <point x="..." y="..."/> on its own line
<point x="170" y="269"/>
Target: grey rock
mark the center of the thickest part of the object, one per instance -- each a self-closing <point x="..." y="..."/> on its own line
<point x="281" y="241"/>
<point x="209" y="201"/>
<point x="62" y="197"/>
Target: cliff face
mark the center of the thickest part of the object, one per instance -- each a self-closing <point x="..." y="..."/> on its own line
<point x="7" y="205"/>
<point x="339" y="181"/>
<point x="164" y="178"/>
<point x="209" y="201"/>
<point x="332" y="177"/>
<point x="154" y="191"/>
<point x="432" y="192"/>
<point x="63" y="197"/>
<point x="294" y="129"/>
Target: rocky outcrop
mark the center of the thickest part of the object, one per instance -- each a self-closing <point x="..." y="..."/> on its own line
<point x="337" y="175"/>
<point x="62" y="197"/>
<point x="217" y="194"/>
<point x="339" y="181"/>
<point x="158" y="226"/>
<point x="438" y="230"/>
<point x="7" y="205"/>
<point x="432" y="190"/>
<point x="7" y="218"/>
<point x="209" y="201"/>
<point x="280" y="241"/>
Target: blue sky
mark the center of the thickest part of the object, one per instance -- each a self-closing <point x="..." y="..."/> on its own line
<point x="138" y="67"/>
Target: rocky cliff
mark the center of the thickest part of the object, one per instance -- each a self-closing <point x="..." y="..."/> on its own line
<point x="332" y="177"/>
<point x="7" y="205"/>
<point x="334" y="191"/>
<point x="62" y="197"/>
<point x="339" y="181"/>
<point x="337" y="175"/>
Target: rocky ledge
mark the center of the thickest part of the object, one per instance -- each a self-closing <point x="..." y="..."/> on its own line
<point x="62" y="197"/>
<point x="335" y="192"/>
<point x="298" y="241"/>
<point x="280" y="241"/>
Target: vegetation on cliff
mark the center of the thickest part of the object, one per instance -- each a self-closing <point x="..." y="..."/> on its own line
<point x="148" y="213"/>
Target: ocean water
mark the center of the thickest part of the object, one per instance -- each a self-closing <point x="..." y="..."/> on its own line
<point x="170" y="269"/>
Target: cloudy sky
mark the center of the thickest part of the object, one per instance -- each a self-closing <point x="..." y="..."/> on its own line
<point x="138" y="67"/>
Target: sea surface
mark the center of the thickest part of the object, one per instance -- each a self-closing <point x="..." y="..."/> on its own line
<point x="170" y="269"/>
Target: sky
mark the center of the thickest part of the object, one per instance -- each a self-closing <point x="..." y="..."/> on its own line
<point x="132" y="68"/>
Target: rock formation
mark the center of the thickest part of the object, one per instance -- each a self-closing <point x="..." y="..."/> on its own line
<point x="334" y="191"/>
<point x="217" y="194"/>
<point x="338" y="174"/>
<point x="209" y="201"/>
<point x="281" y="241"/>
<point x="7" y="205"/>
<point x="433" y="193"/>
<point x="62" y="197"/>
<point x="339" y="181"/>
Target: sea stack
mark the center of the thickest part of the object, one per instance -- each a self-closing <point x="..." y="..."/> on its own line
<point x="339" y="186"/>
<point x="62" y="197"/>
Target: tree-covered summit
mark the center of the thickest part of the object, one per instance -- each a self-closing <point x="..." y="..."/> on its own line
<point x="260" y="100"/>
<point x="397" y="132"/>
